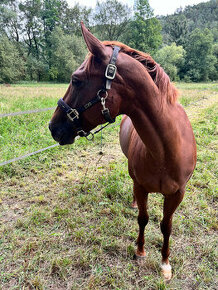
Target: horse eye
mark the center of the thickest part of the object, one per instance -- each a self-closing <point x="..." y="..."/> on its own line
<point x="76" y="82"/>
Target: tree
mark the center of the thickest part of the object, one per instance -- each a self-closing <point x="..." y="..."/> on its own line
<point x="171" y="57"/>
<point x="184" y="21"/>
<point x="144" y="31"/>
<point x="31" y="27"/>
<point x="12" y="66"/>
<point x="175" y="29"/>
<point x="71" y="18"/>
<point x="32" y="24"/>
<point x="10" y="21"/>
<point x="66" y="55"/>
<point x="51" y="14"/>
<point x="199" y="60"/>
<point x="213" y="74"/>
<point x="111" y="18"/>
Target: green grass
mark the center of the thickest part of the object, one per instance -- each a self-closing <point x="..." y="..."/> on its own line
<point x="65" y="220"/>
<point x="212" y="86"/>
<point x="194" y="92"/>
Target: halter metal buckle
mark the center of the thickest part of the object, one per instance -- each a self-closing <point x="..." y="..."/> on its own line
<point x="89" y="136"/>
<point x="110" y="71"/>
<point x="76" y="114"/>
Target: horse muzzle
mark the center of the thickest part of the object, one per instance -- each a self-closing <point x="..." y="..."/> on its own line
<point x="62" y="134"/>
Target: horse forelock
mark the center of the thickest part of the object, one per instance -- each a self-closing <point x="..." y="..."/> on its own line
<point x="160" y="78"/>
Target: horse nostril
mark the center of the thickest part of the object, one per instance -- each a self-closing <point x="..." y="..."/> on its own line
<point x="57" y="131"/>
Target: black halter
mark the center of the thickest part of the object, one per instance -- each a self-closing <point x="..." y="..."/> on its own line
<point x="74" y="113"/>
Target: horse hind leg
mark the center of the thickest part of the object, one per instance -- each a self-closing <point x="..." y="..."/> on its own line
<point x="171" y="202"/>
<point x="141" y="198"/>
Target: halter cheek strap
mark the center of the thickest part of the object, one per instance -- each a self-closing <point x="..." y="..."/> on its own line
<point x="111" y="68"/>
<point x="74" y="113"/>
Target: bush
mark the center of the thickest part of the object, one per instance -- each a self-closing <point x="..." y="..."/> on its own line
<point x="171" y="57"/>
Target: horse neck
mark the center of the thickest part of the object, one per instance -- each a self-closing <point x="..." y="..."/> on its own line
<point x="150" y="115"/>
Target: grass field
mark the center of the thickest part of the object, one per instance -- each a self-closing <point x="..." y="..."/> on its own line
<point x="65" y="220"/>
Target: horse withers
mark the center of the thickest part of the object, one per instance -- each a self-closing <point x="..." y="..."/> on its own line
<point x="155" y="133"/>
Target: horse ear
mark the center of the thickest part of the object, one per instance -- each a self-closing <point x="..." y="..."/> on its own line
<point x="95" y="46"/>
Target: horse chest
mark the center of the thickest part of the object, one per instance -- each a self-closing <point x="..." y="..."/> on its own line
<point x="150" y="173"/>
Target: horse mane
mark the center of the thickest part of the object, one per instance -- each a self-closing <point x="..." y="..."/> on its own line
<point x="160" y="78"/>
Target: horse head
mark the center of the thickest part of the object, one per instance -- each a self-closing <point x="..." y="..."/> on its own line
<point x="91" y="98"/>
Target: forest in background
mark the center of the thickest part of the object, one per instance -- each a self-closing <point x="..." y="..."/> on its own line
<point x="40" y="40"/>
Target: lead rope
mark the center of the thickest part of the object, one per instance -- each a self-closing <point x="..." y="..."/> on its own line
<point x="101" y="151"/>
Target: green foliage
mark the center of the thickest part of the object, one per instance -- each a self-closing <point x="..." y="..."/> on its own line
<point x="72" y="16"/>
<point x="170" y="57"/>
<point x="61" y="57"/>
<point x="111" y="18"/>
<point x="10" y="20"/>
<point x="46" y="35"/>
<point x="145" y="35"/>
<point x="200" y="61"/>
<point x="203" y="15"/>
<point x="64" y="55"/>
<point x="12" y="66"/>
<point x="36" y="68"/>
<point x="51" y="15"/>
<point x="144" y="31"/>
<point x="213" y="73"/>
<point x="175" y="29"/>
<point x="177" y="26"/>
<point x="187" y="28"/>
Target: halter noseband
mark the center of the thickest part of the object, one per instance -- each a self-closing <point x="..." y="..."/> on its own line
<point x="74" y="114"/>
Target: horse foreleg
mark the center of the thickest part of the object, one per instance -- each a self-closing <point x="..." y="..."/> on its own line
<point x="134" y="202"/>
<point x="141" y="197"/>
<point x="171" y="202"/>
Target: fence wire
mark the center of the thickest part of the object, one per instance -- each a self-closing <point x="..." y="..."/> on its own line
<point x="55" y="145"/>
<point x="25" y="112"/>
<point x="32" y="153"/>
<point x="28" y="154"/>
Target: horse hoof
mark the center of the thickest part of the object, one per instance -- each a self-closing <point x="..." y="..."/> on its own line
<point x="166" y="271"/>
<point x="140" y="260"/>
<point x="139" y="257"/>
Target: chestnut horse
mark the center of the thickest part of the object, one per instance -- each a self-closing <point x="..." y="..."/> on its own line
<point x="155" y="133"/>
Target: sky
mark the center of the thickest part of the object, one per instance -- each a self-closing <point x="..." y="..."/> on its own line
<point x="161" y="7"/>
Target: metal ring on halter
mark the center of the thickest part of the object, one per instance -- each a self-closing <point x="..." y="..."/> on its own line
<point x="91" y="137"/>
<point x="105" y="92"/>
